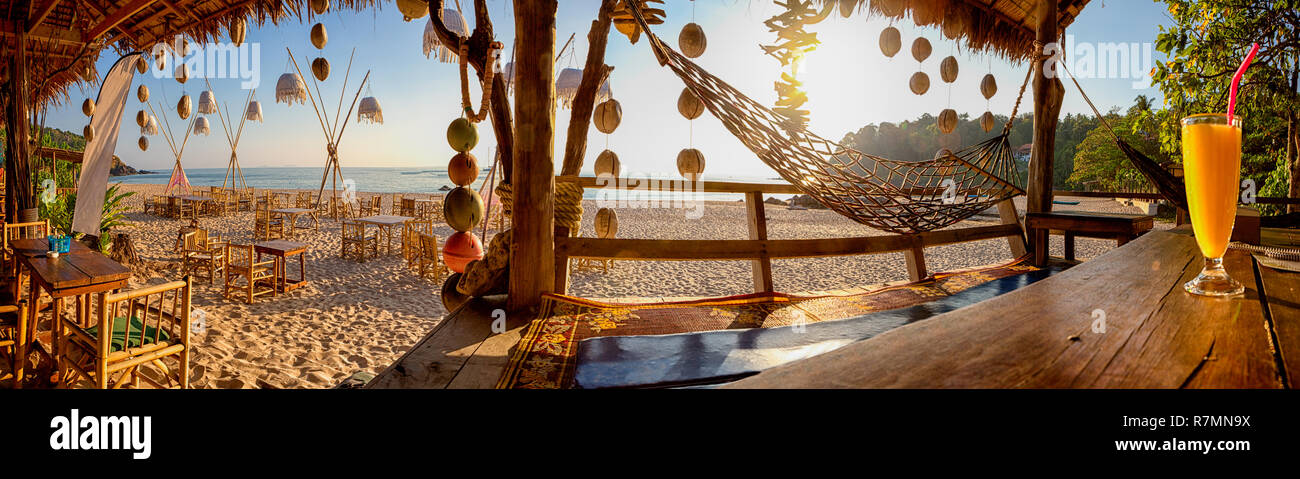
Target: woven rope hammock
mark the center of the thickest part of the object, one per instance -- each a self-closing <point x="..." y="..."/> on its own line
<point x="896" y="196"/>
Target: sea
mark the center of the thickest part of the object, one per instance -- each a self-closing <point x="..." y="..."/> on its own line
<point x="396" y="180"/>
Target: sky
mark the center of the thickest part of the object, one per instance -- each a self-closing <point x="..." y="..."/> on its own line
<point x="850" y="83"/>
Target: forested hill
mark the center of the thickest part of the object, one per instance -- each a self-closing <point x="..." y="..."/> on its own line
<point x="56" y="138"/>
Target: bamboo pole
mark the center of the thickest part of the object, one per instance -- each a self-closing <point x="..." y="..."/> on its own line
<point x="1048" y="93"/>
<point x="595" y="72"/>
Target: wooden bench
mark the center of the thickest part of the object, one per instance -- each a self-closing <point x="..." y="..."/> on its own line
<point x="1120" y="227"/>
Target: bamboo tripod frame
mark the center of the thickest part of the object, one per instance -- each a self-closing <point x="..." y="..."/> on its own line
<point x="177" y="151"/>
<point x="333" y="131"/>
<point x="234" y="174"/>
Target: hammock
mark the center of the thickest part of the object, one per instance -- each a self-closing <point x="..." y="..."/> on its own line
<point x="896" y="196"/>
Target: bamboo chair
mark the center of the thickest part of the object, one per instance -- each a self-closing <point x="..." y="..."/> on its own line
<point x="130" y="330"/>
<point x="408" y="207"/>
<point x="247" y="199"/>
<point x="12" y="334"/>
<point x="220" y="201"/>
<point x="356" y="242"/>
<point x="411" y="231"/>
<point x="430" y="257"/>
<point x="151" y="203"/>
<point x="267" y="225"/>
<point x="259" y="276"/>
<point x="15" y="231"/>
<point x="203" y="253"/>
<point x="373" y="207"/>
<point x="304" y="200"/>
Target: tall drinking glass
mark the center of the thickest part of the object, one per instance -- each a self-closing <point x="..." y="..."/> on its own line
<point x="1212" y="171"/>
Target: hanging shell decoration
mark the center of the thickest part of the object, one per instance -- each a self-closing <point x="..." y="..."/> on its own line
<point x="290" y="88"/>
<point x="690" y="163"/>
<point x="88" y="107"/>
<point x="607" y="116"/>
<point x="989" y="86"/>
<point x="607" y="164"/>
<point x="318" y="36"/>
<point x="141" y="118"/>
<point x="692" y="40"/>
<point x="623" y="21"/>
<point x="689" y="105"/>
<point x="369" y="111"/>
<point x="606" y="223"/>
<point x="141" y="65"/>
<point x="160" y="58"/>
<point x="921" y="49"/>
<point x="987" y="122"/>
<point x="920" y="83"/>
<point x="182" y="73"/>
<point x="144" y="144"/>
<point x="891" y="41"/>
<point x="566" y="86"/>
<point x="948" y="69"/>
<point x="184" y="107"/>
<point x="207" y="102"/>
<point x="456" y="24"/>
<point x="150" y="127"/>
<point x="89" y="133"/>
<point x="201" y="126"/>
<point x="237" y="29"/>
<point x="953" y="24"/>
<point x="320" y="68"/>
<point x="254" y="111"/>
<point x="924" y="13"/>
<point x="413" y="9"/>
<point x="142" y="93"/>
<point x="463" y="169"/>
<point x="891" y="8"/>
<point x="947" y="120"/>
<point x="847" y="7"/>
<point x="320" y="6"/>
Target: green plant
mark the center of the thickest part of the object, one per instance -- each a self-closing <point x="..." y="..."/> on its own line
<point x="60" y="213"/>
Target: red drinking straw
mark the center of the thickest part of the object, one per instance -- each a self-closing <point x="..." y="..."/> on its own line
<point x="1236" y="81"/>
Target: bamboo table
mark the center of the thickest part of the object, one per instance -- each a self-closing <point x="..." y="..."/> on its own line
<point x="1120" y="320"/>
<point x="282" y="250"/>
<point x="385" y="223"/>
<point x="293" y="214"/>
<point x="77" y="273"/>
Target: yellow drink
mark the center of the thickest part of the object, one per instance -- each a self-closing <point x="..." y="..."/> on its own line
<point x="1212" y="171"/>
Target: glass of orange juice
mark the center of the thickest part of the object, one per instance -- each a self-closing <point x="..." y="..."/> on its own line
<point x="1212" y="172"/>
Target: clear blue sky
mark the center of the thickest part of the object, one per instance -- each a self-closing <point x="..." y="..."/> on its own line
<point x="849" y="82"/>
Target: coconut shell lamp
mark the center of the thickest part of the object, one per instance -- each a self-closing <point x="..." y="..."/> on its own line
<point x="921" y="49"/>
<point x="318" y="36"/>
<point x="607" y="164"/>
<point x="690" y="163"/>
<point x="947" y="121"/>
<point x="689" y="105"/>
<point x="920" y="83"/>
<point x="320" y="6"/>
<point x="692" y="40"/>
<point x="320" y="68"/>
<point x="88" y="107"/>
<point x="144" y="143"/>
<point x="184" y="107"/>
<point x="142" y="93"/>
<point x="987" y="122"/>
<point x="891" y="41"/>
<point x="989" y="86"/>
<point x="606" y="223"/>
<point x="88" y="132"/>
<point x="948" y="69"/>
<point x="607" y="116"/>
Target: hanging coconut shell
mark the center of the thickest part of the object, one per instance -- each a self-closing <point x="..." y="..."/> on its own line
<point x="891" y="41"/>
<point x="461" y="248"/>
<point x="89" y="133"/>
<point x="954" y="23"/>
<point x="924" y="13"/>
<point x="989" y="86"/>
<point x="947" y="120"/>
<point x="141" y="118"/>
<point x="921" y="49"/>
<point x="413" y="9"/>
<point x="948" y="69"/>
<point x="987" y="122"/>
<point x="607" y="164"/>
<point x="462" y="208"/>
<point x="320" y="68"/>
<point x="692" y="40"/>
<point x="607" y="116"/>
<point x="142" y="93"/>
<point x="920" y="83"/>
<point x="141" y="65"/>
<point x="184" y="107"/>
<point x="318" y="36"/>
<point x="891" y="8"/>
<point x="182" y="73"/>
<point x="606" y="223"/>
<point x="462" y="135"/>
<point x="88" y="107"/>
<point x="463" y="169"/>
<point x="690" y="163"/>
<point x="320" y="6"/>
<point x="144" y="143"/>
<point x="237" y="29"/>
<point x="848" y="6"/>
<point x="689" y="105"/>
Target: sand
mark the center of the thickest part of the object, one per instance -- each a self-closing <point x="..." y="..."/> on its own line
<point x="362" y="316"/>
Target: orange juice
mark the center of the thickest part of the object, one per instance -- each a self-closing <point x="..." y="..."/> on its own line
<point x="1212" y="172"/>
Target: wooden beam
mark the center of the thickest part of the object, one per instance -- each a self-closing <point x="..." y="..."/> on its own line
<point x="1007" y="212"/>
<point x="41" y="15"/>
<point x="762" y="265"/>
<point x="532" y="252"/>
<point x="915" y="257"/>
<point x="180" y="11"/>
<point x="594" y="74"/>
<point x="44" y="34"/>
<point x="117" y="17"/>
<point x="1048" y="93"/>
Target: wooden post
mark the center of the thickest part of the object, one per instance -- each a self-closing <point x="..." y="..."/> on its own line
<point x="595" y="71"/>
<point x="762" y="267"/>
<point x="532" y="251"/>
<point x="1007" y="211"/>
<point x="916" y="260"/>
<point x="561" y="264"/>
<point x="1048" y="93"/>
<point x="18" y="188"/>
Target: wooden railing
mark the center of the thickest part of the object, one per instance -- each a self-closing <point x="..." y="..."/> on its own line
<point x="758" y="248"/>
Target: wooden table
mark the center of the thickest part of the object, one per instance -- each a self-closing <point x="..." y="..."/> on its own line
<point x="77" y="273"/>
<point x="282" y="250"/>
<point x="1120" y="227"/>
<point x="1048" y="335"/>
<point x="293" y="214"/>
<point x="385" y="224"/>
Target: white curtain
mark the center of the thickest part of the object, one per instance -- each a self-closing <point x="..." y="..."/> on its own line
<point x="98" y="157"/>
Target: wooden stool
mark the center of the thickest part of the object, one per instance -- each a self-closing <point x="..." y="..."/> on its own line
<point x="1120" y="227"/>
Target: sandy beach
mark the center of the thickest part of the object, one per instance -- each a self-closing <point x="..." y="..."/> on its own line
<point x="361" y="316"/>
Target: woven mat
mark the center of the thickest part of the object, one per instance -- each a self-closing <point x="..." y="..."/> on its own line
<point x="544" y="357"/>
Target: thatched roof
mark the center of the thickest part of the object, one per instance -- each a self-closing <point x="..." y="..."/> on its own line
<point x="66" y="37"/>
<point x="1002" y="27"/>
